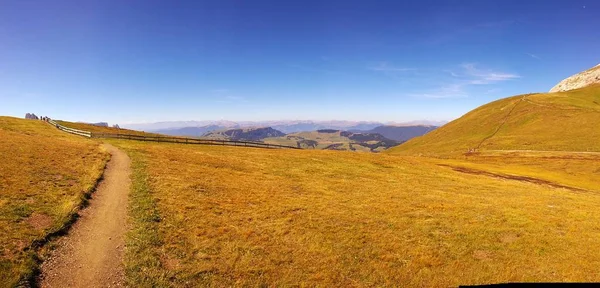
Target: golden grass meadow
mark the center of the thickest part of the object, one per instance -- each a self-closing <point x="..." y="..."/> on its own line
<point x="226" y="216"/>
<point x="103" y="130"/>
<point x="45" y="176"/>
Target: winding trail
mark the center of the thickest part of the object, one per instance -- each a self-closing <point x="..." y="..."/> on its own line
<point x="91" y="255"/>
<point x="501" y="124"/>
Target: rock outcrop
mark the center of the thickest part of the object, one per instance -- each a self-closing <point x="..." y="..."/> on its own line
<point x="579" y="80"/>
<point x="31" y="116"/>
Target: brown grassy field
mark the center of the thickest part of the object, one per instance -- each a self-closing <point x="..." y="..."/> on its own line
<point x="44" y="176"/>
<point x="226" y="216"/>
<point x="100" y="129"/>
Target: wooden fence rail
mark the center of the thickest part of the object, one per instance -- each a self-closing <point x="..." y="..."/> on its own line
<point x="183" y="140"/>
<point x="169" y="139"/>
<point x="71" y="130"/>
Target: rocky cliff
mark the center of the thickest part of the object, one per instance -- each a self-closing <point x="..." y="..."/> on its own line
<point x="579" y="80"/>
<point x="31" y="116"/>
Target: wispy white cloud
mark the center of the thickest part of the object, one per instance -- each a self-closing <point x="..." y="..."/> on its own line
<point x="447" y="91"/>
<point x="231" y="99"/>
<point x="468" y="75"/>
<point x="223" y="95"/>
<point x="235" y="98"/>
<point x="481" y="76"/>
<point x="313" y="69"/>
<point x="386" y="67"/>
<point x="492" y="91"/>
<point x="534" y="56"/>
<point x="453" y="74"/>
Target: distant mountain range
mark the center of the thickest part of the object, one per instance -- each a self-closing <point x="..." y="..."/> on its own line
<point x="248" y="134"/>
<point x="362" y="134"/>
<point x="197" y="128"/>
<point x="331" y="139"/>
<point x="399" y="133"/>
<point x="190" y="131"/>
<point x="325" y="139"/>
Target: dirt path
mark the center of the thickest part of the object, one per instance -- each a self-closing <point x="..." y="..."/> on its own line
<point x="91" y="254"/>
<point x="501" y="124"/>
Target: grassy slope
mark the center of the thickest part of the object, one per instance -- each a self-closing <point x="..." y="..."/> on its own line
<point x="565" y="121"/>
<point x="44" y="175"/>
<point x="234" y="216"/>
<point x="100" y="129"/>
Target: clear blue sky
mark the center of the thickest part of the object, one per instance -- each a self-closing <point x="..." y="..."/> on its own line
<point x="145" y="61"/>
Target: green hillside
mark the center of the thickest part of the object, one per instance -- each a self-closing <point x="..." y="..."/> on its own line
<point x="564" y="121"/>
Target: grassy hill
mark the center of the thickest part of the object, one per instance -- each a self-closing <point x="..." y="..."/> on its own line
<point x="45" y="175"/>
<point x="564" y="121"/>
<point x="101" y="129"/>
<point x="401" y="133"/>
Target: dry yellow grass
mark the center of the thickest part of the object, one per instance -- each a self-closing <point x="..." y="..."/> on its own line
<point x="100" y="129"/>
<point x="44" y="175"/>
<point x="565" y="121"/>
<point x="225" y="216"/>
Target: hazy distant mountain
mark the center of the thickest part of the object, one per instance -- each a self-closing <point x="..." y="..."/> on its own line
<point x="400" y="133"/>
<point x="313" y="126"/>
<point x="418" y="123"/>
<point x="172" y="125"/>
<point x="284" y="126"/>
<point x="247" y="134"/>
<point x="190" y="131"/>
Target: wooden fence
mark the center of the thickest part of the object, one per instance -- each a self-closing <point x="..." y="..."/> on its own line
<point x="170" y="139"/>
<point x="183" y="140"/>
<point x="71" y="130"/>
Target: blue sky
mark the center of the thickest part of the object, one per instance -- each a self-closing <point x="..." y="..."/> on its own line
<point x="147" y="61"/>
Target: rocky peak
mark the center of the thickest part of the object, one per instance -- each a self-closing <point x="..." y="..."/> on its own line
<point x="31" y="116"/>
<point x="579" y="80"/>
